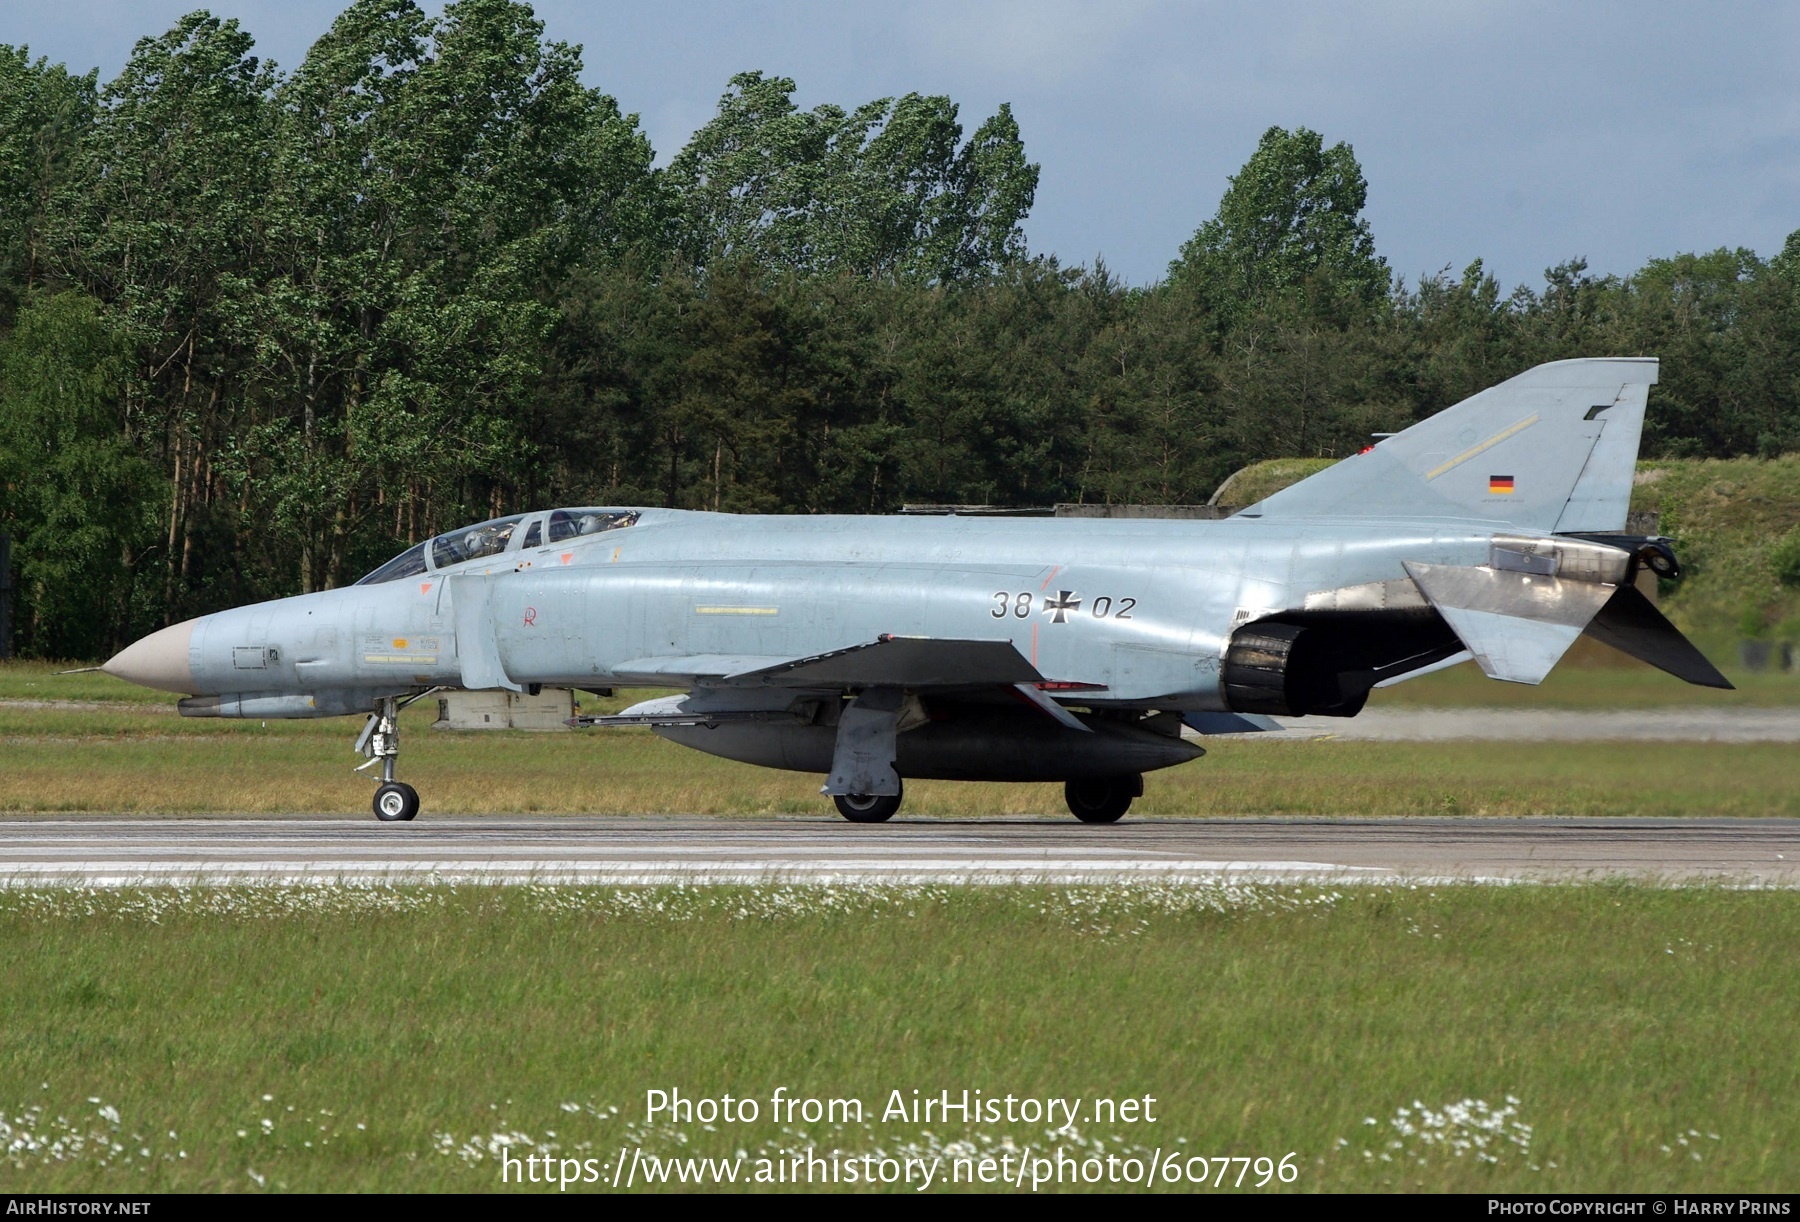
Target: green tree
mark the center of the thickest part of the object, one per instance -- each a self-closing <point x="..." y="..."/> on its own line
<point x="1688" y="310"/>
<point x="1767" y="322"/>
<point x="888" y="188"/>
<point x="44" y="110"/>
<point x="1456" y="337"/>
<point x="438" y="180"/>
<point x="1148" y="390"/>
<point x="79" y="499"/>
<point x="164" y="223"/>
<point x="988" y="389"/>
<point x="1294" y="211"/>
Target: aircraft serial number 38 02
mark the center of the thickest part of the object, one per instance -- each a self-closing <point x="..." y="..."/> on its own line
<point x="871" y="649"/>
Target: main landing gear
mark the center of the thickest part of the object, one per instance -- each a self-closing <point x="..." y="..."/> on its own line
<point x="867" y="807"/>
<point x="395" y="801"/>
<point x="1103" y="799"/>
<point x="1097" y="800"/>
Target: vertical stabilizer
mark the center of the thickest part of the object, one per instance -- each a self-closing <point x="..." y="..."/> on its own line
<point x="1553" y="449"/>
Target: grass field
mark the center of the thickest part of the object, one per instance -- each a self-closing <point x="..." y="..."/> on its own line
<point x="1646" y="1035"/>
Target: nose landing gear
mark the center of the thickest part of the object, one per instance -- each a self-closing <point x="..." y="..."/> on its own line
<point x="395" y="801"/>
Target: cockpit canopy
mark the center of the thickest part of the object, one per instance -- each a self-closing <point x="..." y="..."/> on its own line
<point x="519" y="532"/>
<point x="473" y="542"/>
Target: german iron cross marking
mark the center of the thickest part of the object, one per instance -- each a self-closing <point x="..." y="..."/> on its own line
<point x="1061" y="606"/>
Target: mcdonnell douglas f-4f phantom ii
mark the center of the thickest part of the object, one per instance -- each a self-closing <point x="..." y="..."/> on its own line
<point x="872" y="649"/>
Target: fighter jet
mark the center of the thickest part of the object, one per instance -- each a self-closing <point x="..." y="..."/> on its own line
<point x="871" y="649"/>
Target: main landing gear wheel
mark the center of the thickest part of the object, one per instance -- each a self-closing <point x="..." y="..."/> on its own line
<point x="1104" y="799"/>
<point x="867" y="807"/>
<point x="396" y="802"/>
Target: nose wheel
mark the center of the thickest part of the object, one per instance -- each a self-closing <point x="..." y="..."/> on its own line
<point x="395" y="801"/>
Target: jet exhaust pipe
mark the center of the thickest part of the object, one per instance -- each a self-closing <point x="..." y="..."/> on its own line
<point x="1273" y="668"/>
<point x="1324" y="663"/>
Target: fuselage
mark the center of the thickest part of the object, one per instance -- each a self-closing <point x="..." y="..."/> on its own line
<point x="1139" y="612"/>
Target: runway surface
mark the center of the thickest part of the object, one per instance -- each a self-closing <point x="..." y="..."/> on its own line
<point x="98" y="851"/>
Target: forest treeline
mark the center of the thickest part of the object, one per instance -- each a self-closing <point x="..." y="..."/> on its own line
<point x="261" y="328"/>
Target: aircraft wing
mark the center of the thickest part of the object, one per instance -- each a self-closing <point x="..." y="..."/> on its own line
<point x="727" y="686"/>
<point x="891" y="661"/>
<point x="692" y="668"/>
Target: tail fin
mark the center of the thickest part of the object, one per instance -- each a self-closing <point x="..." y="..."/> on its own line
<point x="1553" y="449"/>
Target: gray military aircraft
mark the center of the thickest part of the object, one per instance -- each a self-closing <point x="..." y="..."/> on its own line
<point x="871" y="649"/>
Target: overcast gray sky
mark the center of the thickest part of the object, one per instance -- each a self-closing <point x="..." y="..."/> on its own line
<point x="1520" y="132"/>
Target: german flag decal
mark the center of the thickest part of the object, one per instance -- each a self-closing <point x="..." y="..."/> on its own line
<point x="1500" y="485"/>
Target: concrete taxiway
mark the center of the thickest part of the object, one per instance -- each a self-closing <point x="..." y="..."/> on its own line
<point x="101" y="851"/>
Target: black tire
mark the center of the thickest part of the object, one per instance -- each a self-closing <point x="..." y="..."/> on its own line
<point x="867" y="807"/>
<point x="1104" y="800"/>
<point x="396" y="802"/>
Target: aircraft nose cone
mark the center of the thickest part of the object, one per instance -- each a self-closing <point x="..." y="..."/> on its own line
<point x="159" y="660"/>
